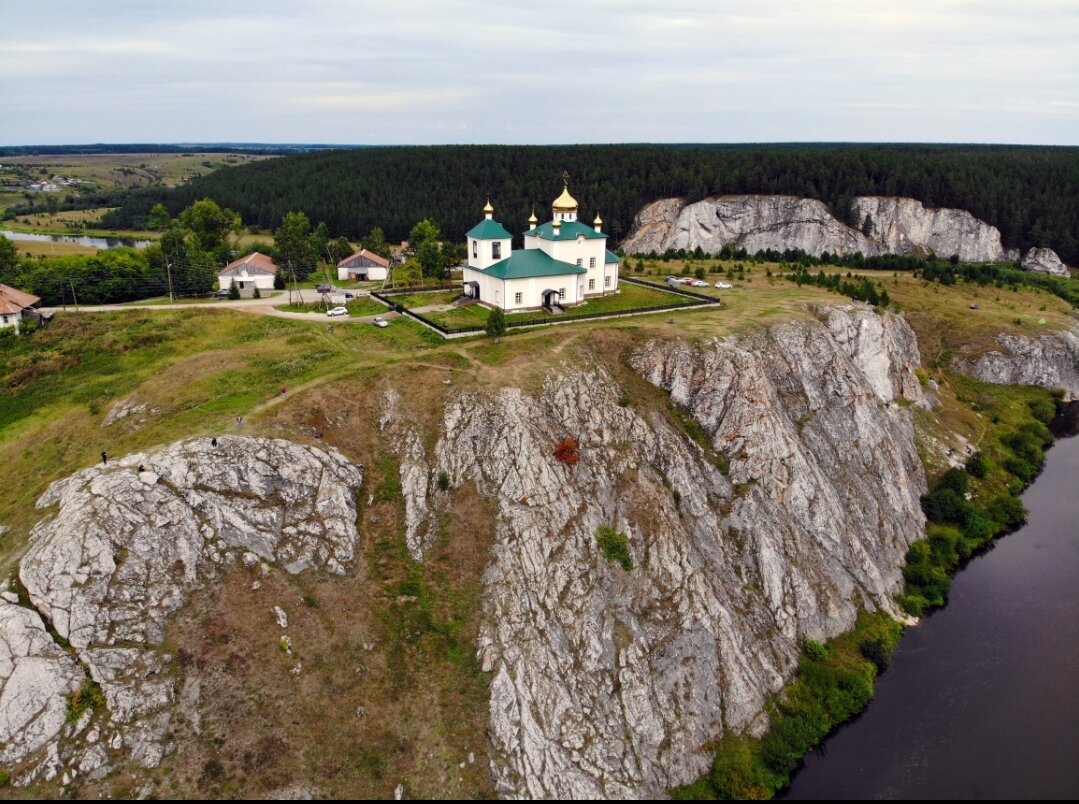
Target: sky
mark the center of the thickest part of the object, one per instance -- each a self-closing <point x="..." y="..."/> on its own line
<point x="426" y="72"/>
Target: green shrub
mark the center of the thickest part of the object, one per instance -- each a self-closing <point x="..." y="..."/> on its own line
<point x="1043" y="409"/>
<point x="978" y="465"/>
<point x="1020" y="468"/>
<point x="1007" y="511"/>
<point x="877" y="652"/>
<point x="955" y="480"/>
<point x="614" y="546"/>
<point x="443" y="481"/>
<point x="815" y="650"/>
<point x="88" y="696"/>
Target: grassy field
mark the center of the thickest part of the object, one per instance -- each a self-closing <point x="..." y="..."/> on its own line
<point x="426" y="299"/>
<point x="109" y="171"/>
<point x="51" y="249"/>
<point x="364" y="306"/>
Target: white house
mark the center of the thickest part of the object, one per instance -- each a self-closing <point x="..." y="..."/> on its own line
<point x="363" y="265"/>
<point x="253" y="271"/>
<point x="563" y="262"/>
<point x="15" y="306"/>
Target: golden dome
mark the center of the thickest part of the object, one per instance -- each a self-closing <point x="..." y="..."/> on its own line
<point x="488" y="208"/>
<point x="532" y="218"/>
<point x="598" y="221"/>
<point x="565" y="202"/>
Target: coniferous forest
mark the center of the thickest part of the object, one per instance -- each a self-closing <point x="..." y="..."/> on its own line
<point x="1030" y="193"/>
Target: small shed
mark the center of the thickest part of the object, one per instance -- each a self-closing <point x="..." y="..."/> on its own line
<point x="256" y="270"/>
<point x="362" y="266"/>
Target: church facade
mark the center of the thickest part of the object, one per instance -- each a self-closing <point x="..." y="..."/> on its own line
<point x="563" y="262"/>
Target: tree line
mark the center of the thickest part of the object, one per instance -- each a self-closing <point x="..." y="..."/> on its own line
<point x="1030" y="193"/>
<point x="196" y="245"/>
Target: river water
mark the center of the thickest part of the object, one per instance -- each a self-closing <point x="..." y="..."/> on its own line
<point x="82" y="240"/>
<point x="982" y="698"/>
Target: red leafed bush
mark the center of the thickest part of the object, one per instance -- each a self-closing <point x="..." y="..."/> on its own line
<point x="567" y="452"/>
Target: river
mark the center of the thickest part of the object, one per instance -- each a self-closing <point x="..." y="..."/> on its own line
<point x="982" y="698"/>
<point x="82" y="240"/>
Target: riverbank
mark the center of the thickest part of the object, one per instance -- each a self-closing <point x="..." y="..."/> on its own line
<point x="966" y="510"/>
<point x="980" y="699"/>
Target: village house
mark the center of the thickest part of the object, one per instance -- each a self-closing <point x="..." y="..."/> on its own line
<point x="563" y="262"/>
<point x="362" y="266"/>
<point x="17" y="306"/>
<point x="253" y="271"/>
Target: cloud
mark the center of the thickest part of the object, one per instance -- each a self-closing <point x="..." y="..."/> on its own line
<point x="455" y="71"/>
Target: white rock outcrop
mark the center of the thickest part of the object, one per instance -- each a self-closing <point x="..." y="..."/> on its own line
<point x="779" y="222"/>
<point x="1050" y="360"/>
<point x="36" y="678"/>
<point x="907" y="226"/>
<point x="611" y="683"/>
<point x="1045" y="261"/>
<point x="130" y="541"/>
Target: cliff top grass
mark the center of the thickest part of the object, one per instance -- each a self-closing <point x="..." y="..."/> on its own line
<point x="196" y="370"/>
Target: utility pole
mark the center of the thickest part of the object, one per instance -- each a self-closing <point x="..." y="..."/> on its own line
<point x="73" y="296"/>
<point x="168" y="270"/>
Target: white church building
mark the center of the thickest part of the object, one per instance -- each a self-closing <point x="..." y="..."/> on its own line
<point x="563" y="262"/>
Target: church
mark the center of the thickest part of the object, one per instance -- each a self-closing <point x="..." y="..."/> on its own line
<point x="563" y="263"/>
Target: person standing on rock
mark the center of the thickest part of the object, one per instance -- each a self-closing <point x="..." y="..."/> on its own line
<point x="213" y="441"/>
<point x="104" y="458"/>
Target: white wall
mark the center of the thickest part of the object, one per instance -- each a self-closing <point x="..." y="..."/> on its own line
<point x="483" y="247"/>
<point x="10" y="319"/>
<point x="249" y="282"/>
<point x="375" y="273"/>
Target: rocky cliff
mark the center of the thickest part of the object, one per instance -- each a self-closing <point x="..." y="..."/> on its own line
<point x="609" y="682"/>
<point x="755" y="222"/>
<point x="1050" y="360"/>
<point x="125" y="546"/>
<point x="784" y="507"/>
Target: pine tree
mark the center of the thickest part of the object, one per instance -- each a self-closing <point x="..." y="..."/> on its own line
<point x="496" y="323"/>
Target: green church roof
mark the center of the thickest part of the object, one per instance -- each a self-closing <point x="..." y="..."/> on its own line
<point x="569" y="230"/>
<point x="530" y="262"/>
<point x="489" y="230"/>
<point x="611" y="257"/>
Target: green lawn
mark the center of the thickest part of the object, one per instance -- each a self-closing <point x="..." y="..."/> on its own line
<point x="363" y="306"/>
<point x="629" y="298"/>
<point x="426" y="298"/>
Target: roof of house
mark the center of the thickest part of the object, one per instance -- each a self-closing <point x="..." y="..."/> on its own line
<point x="254" y="263"/>
<point x="530" y="262"/>
<point x="489" y="230"/>
<point x="611" y="257"/>
<point x="13" y="300"/>
<point x="370" y="255"/>
<point x="569" y="230"/>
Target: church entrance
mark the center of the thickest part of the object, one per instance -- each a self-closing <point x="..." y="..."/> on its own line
<point x="552" y="301"/>
<point x="472" y="290"/>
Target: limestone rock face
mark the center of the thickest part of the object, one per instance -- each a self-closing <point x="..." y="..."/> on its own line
<point x="36" y="677"/>
<point x="1050" y="360"/>
<point x="906" y="226"/>
<point x="752" y="222"/>
<point x="610" y="683"/>
<point x="1044" y="260"/>
<point x="755" y="222"/>
<point x="125" y="547"/>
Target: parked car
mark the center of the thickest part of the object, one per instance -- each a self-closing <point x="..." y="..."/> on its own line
<point x="699" y="283"/>
<point x="724" y="285"/>
<point x="220" y="294"/>
<point x="324" y="288"/>
<point x="974" y="305"/>
<point x="687" y="280"/>
<point x="380" y="321"/>
<point x="337" y="311"/>
<point x="350" y="295"/>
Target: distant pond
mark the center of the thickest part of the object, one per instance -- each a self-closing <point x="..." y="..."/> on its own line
<point x="82" y="240"/>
